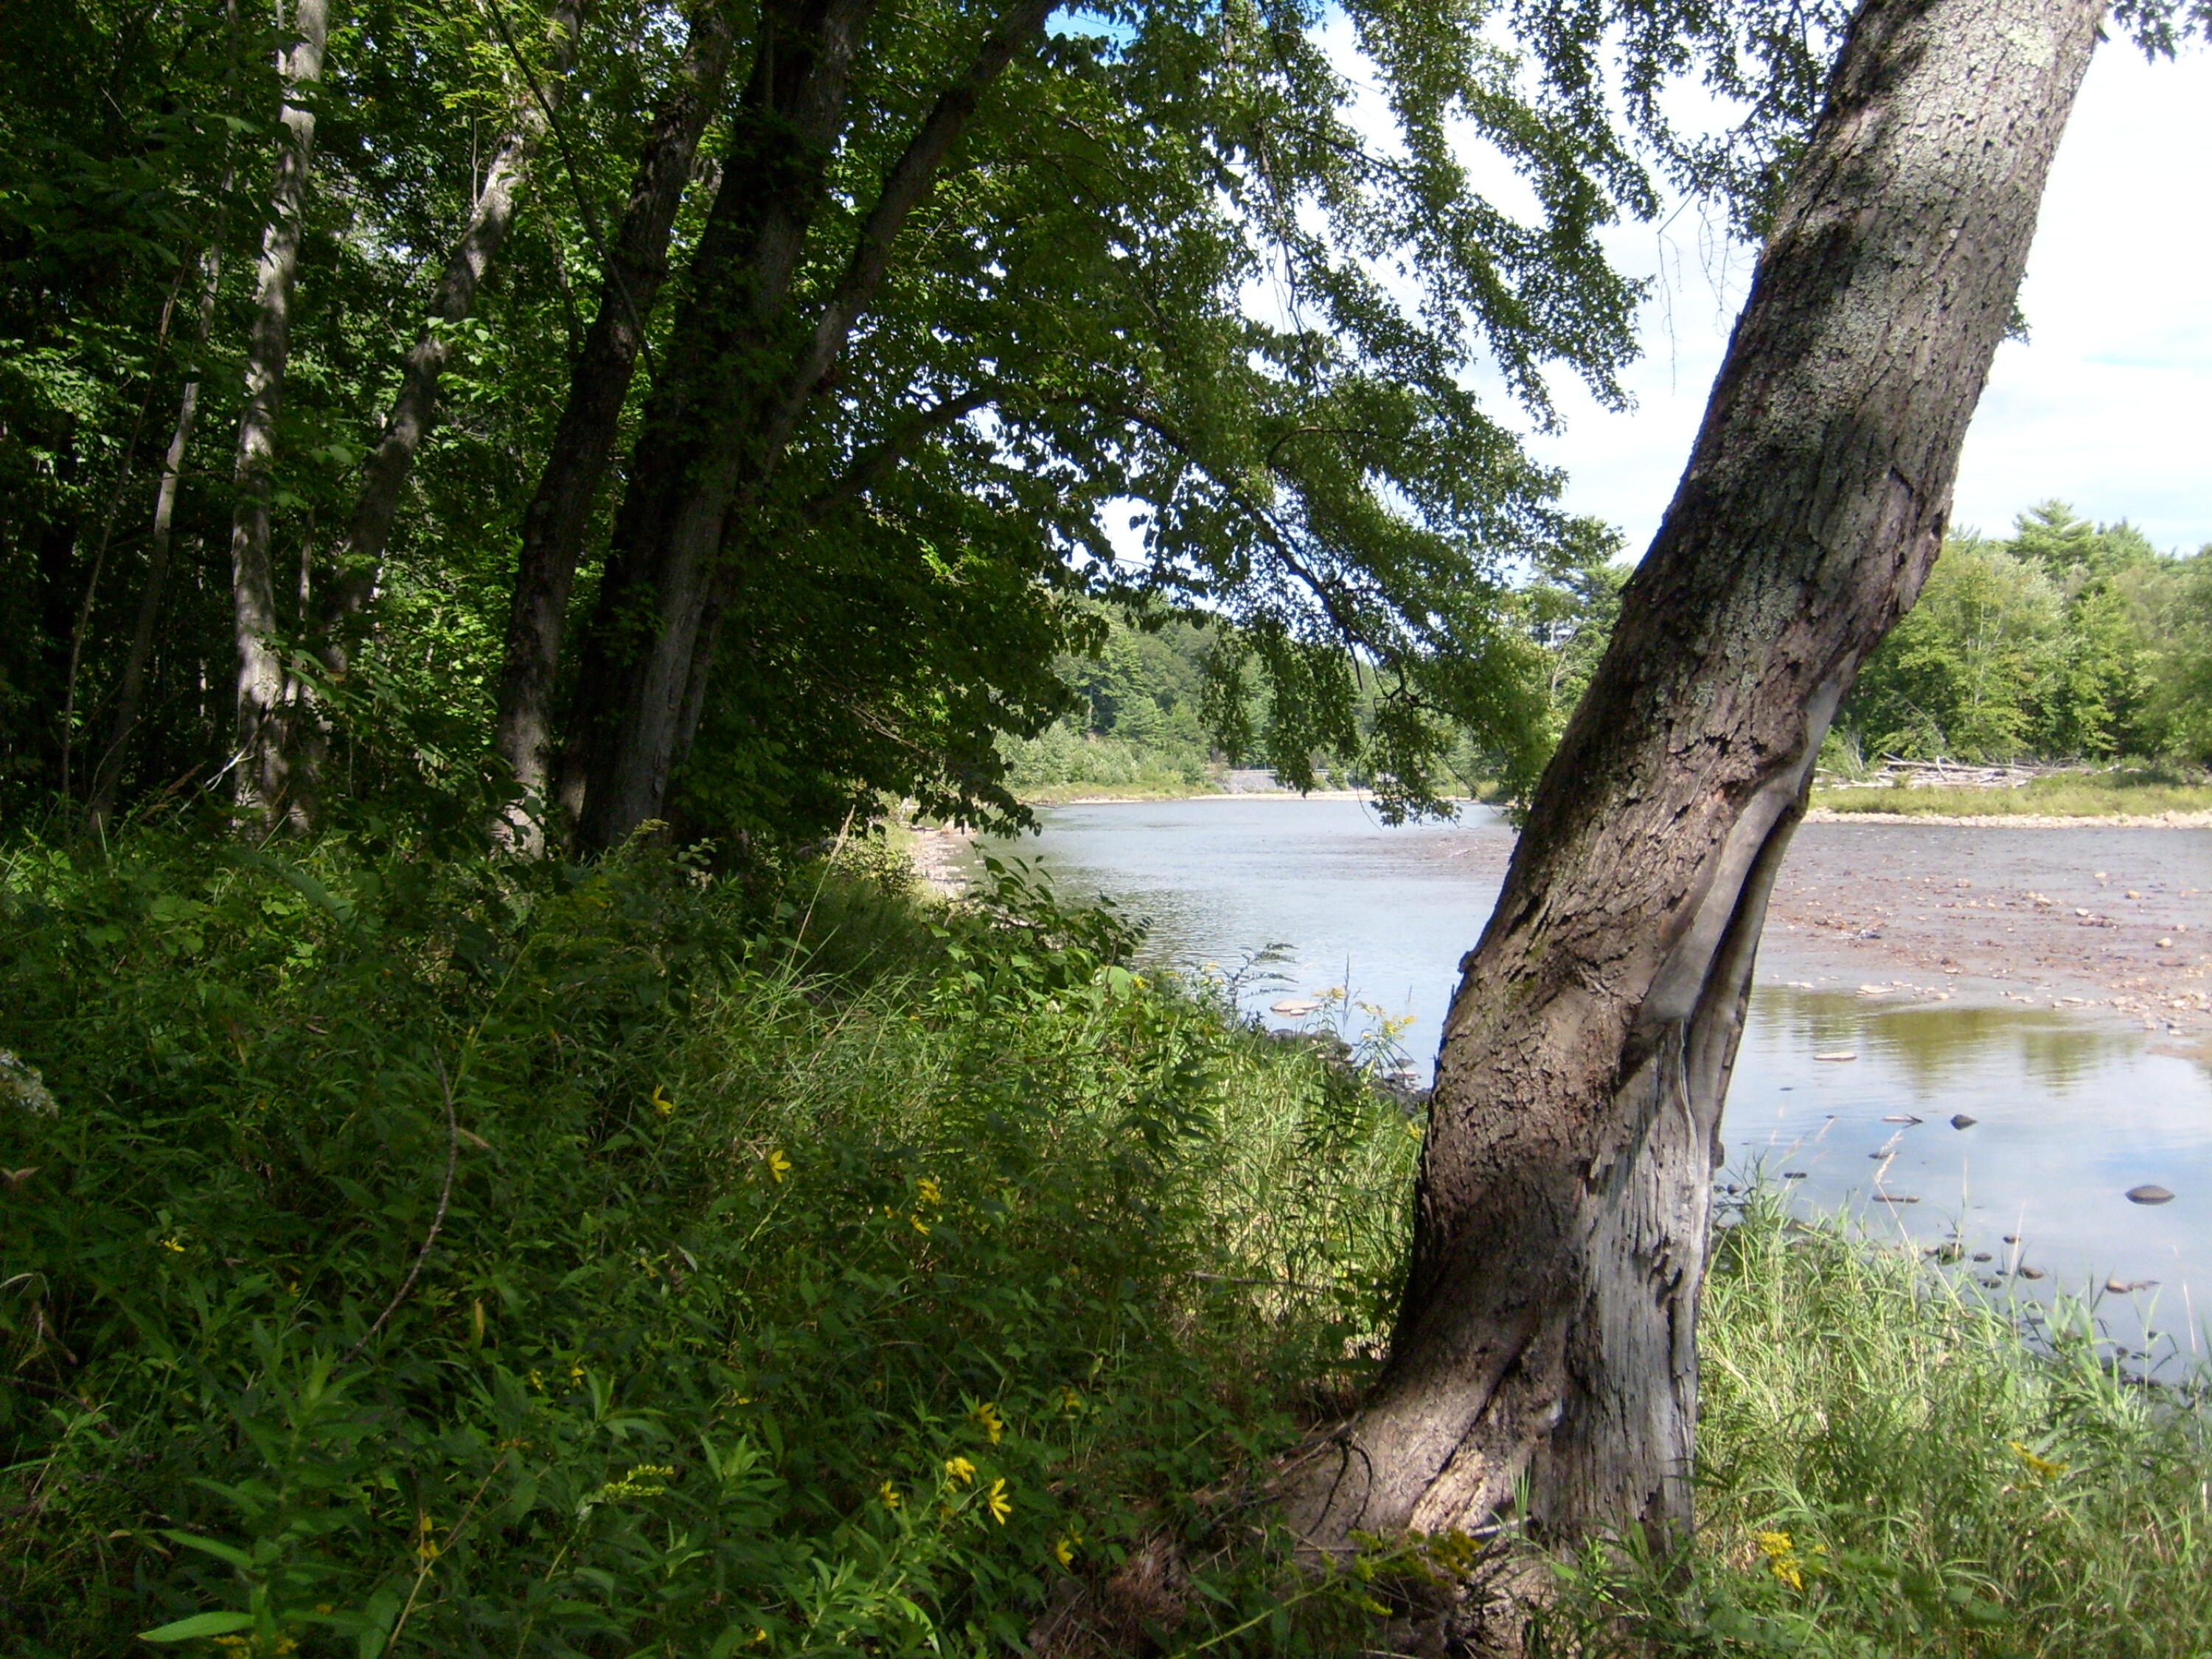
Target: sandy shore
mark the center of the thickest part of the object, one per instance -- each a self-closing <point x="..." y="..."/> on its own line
<point x="2020" y="820"/>
<point x="2098" y="918"/>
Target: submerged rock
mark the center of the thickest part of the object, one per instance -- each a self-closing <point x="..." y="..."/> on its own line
<point x="1961" y="1121"/>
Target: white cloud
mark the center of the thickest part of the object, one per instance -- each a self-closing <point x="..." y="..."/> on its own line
<point x="2106" y="404"/>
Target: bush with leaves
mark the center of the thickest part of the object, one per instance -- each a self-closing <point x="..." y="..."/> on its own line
<point x="482" y="1259"/>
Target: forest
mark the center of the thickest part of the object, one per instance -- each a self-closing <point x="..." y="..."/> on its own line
<point x="2065" y="643"/>
<point x="506" y="511"/>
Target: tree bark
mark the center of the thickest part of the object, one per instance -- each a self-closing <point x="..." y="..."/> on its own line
<point x="659" y="604"/>
<point x="560" y="514"/>
<point x="1548" y="1331"/>
<point x="360" y="556"/>
<point x="263" y="762"/>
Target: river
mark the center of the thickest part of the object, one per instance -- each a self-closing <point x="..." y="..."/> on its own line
<point x="2045" y="984"/>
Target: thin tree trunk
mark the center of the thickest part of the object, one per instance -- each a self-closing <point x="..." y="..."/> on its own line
<point x="360" y="556"/>
<point x="559" y="515"/>
<point x="1547" y="1333"/>
<point x="130" y="689"/>
<point x="263" y="781"/>
<point x="680" y="530"/>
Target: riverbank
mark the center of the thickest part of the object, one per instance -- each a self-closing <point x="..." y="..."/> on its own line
<point x="2100" y="919"/>
<point x="2193" y="820"/>
<point x="628" y="1257"/>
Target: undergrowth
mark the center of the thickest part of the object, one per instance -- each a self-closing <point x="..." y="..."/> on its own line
<point x="464" y="1258"/>
<point x="474" y="1261"/>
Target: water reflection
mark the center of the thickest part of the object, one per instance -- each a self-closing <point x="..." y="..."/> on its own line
<point x="1931" y="1047"/>
<point x="2055" y="1119"/>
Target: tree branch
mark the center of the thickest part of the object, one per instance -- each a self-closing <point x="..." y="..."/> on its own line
<point x="904" y="188"/>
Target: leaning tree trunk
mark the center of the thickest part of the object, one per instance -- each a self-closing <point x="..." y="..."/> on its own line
<point x="671" y="537"/>
<point x="383" y="478"/>
<point x="560" y="514"/>
<point x="264" y="757"/>
<point x="1549" y="1326"/>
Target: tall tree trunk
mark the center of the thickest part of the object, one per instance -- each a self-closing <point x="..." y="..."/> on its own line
<point x="724" y="351"/>
<point x="263" y="781"/>
<point x="651" y="709"/>
<point x="1548" y="1327"/>
<point x="132" y="687"/>
<point x="360" y="556"/>
<point x="560" y="514"/>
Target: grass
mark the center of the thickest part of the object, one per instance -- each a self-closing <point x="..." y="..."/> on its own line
<point x="1889" y="1466"/>
<point x="1160" y="785"/>
<point x="2119" y="794"/>
<point x="467" y="1259"/>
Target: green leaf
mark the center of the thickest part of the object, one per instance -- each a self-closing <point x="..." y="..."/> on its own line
<point x="230" y="1553"/>
<point x="200" y="1624"/>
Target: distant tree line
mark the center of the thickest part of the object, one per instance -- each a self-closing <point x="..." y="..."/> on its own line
<point x="2065" y="640"/>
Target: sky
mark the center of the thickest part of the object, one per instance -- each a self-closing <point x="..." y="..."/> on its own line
<point x="2107" y="406"/>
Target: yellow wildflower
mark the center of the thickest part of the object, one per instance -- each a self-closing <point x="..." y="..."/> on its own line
<point x="778" y="1166"/>
<point x="173" y="1243"/>
<point x="960" y="1469"/>
<point x="930" y="1191"/>
<point x="2041" y="1467"/>
<point x="919" y="1226"/>
<point x="1063" y="1548"/>
<point x="987" y="1419"/>
<point x="889" y="1494"/>
<point x="1782" y="1557"/>
<point x="998" y="1502"/>
<point x="1070" y="1401"/>
<point x="425" y="1545"/>
<point x="661" y="1103"/>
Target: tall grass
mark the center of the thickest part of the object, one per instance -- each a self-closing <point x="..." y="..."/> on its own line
<point x="466" y="1260"/>
<point x="1888" y="1467"/>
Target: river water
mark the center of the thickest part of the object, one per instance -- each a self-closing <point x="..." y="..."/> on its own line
<point x="2070" y="1109"/>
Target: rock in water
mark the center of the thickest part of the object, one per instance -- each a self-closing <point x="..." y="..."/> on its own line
<point x="1295" y="1007"/>
<point x="1836" y="1057"/>
<point x="2149" y="1194"/>
<point x="1961" y="1121"/>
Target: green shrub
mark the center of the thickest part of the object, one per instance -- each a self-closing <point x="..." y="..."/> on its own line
<point x="488" y="1261"/>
